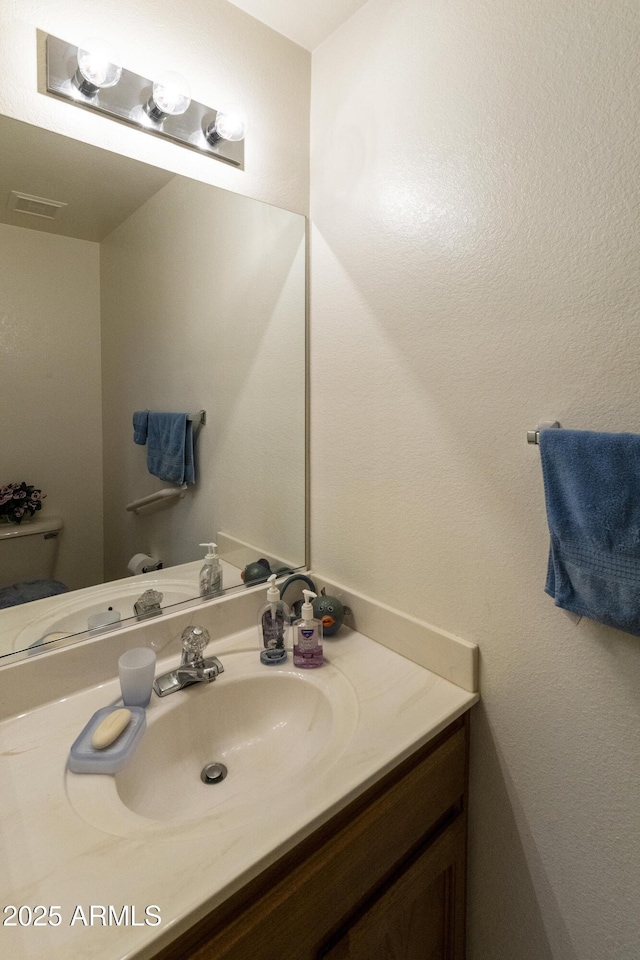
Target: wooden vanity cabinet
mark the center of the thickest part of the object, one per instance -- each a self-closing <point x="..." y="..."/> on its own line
<point x="382" y="880"/>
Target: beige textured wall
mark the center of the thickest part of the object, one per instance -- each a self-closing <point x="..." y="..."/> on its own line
<point x="475" y="201"/>
<point x="50" y="395"/>
<point x="226" y="55"/>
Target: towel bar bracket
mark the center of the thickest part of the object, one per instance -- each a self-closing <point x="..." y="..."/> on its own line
<point x="533" y="436"/>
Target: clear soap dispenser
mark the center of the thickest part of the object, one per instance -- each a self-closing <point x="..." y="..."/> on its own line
<point x="211" y="572"/>
<point x="307" y="639"/>
<point x="274" y="618"/>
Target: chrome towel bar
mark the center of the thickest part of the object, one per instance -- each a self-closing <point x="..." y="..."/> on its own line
<point x="533" y="436"/>
<point x="199" y="418"/>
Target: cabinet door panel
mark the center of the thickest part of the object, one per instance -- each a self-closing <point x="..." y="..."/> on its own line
<point x="415" y="918"/>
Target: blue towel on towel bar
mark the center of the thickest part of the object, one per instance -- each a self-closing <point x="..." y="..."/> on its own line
<point x="140" y="426"/>
<point x="592" y="493"/>
<point x="170" y="447"/>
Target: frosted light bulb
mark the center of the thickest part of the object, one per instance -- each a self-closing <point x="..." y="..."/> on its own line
<point x="99" y="66"/>
<point x="171" y="96"/>
<point x="230" y="124"/>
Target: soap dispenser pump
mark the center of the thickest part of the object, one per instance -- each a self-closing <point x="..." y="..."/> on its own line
<point x="211" y="572"/>
<point x="274" y="618"/>
<point x="307" y="641"/>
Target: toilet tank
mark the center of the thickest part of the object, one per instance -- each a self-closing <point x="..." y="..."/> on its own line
<point x="28" y="550"/>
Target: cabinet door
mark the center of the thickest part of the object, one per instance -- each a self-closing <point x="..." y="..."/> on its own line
<point x="419" y="916"/>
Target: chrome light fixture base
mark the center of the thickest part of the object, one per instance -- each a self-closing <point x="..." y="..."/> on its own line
<point x="126" y="101"/>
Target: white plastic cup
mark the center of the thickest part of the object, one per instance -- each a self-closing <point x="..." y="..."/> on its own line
<point x="103" y="621"/>
<point x="137" y="669"/>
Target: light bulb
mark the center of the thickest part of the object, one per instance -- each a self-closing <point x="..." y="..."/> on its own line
<point x="230" y="124"/>
<point x="171" y="96"/>
<point x="98" y="66"/>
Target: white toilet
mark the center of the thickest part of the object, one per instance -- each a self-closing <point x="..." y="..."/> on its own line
<point x="27" y="560"/>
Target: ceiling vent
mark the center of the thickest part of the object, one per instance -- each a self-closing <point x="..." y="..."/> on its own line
<point x="36" y="206"/>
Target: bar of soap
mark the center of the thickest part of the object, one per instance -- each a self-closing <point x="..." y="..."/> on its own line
<point x="85" y="758"/>
<point x="110" y="729"/>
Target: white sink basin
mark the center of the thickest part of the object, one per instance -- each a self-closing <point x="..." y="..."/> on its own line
<point x="70" y="616"/>
<point x="272" y="727"/>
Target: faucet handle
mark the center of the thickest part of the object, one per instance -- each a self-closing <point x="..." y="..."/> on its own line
<point x="194" y="640"/>
<point x="148" y="605"/>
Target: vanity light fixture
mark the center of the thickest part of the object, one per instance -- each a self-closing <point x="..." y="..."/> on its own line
<point x="90" y="76"/>
<point x="171" y="96"/>
<point x="99" y="67"/>
<point x="230" y="124"/>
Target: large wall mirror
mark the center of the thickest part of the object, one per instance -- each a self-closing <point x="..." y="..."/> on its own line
<point x="148" y="291"/>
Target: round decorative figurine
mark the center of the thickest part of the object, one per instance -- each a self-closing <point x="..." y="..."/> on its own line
<point x="256" y="572"/>
<point x="330" y="611"/>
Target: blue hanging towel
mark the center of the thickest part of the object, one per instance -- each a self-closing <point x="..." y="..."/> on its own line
<point x="170" y="447"/>
<point x="140" y="426"/>
<point x="592" y="494"/>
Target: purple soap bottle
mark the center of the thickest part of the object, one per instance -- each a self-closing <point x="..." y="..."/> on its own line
<point x="307" y="636"/>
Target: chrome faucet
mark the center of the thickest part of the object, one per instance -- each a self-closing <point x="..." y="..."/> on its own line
<point x="296" y="607"/>
<point x="194" y="668"/>
<point x="148" y="605"/>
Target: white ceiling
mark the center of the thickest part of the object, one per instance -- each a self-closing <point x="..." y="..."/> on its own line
<point x="101" y="189"/>
<point x="307" y="22"/>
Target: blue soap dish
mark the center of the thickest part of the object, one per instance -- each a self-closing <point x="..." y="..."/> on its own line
<point x="83" y="758"/>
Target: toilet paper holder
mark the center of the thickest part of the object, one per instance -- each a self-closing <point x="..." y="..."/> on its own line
<point x="167" y="493"/>
<point x="143" y="563"/>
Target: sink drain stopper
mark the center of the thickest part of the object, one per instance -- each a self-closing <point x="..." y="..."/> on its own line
<point x="213" y="773"/>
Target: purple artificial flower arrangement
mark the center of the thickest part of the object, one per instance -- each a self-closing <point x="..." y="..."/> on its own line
<point x="19" y="501"/>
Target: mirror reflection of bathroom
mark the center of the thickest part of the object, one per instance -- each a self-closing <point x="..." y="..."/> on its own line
<point x="28" y="559"/>
<point x="148" y="291"/>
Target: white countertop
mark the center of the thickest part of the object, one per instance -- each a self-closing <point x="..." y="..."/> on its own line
<point x="53" y="857"/>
